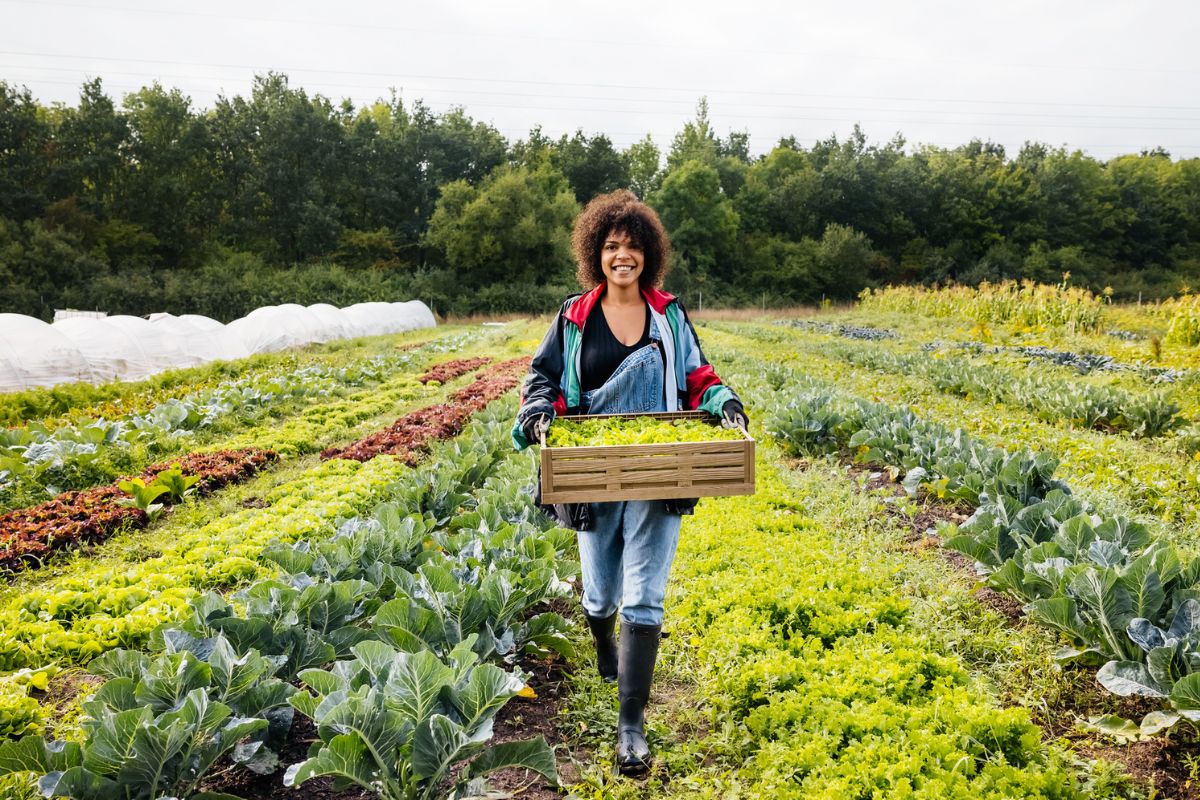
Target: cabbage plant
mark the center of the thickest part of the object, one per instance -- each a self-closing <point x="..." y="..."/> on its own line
<point x="398" y="723"/>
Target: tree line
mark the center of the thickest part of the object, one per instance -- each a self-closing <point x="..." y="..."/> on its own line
<point x="285" y="197"/>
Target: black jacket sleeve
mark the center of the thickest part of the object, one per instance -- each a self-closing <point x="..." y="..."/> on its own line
<point x="541" y="391"/>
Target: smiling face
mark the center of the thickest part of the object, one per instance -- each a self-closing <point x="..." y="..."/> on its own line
<point x="620" y="259"/>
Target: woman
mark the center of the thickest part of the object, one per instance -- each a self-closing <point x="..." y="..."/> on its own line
<point x="623" y="346"/>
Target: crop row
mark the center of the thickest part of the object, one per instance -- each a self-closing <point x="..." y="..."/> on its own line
<point x="1050" y="399"/>
<point x="1119" y="594"/>
<point x="406" y="436"/>
<point x="92" y="515"/>
<point x="1116" y="472"/>
<point x="1027" y="303"/>
<point x="1083" y="363"/>
<point x="841" y="329"/>
<point x="804" y="645"/>
<point x="413" y="612"/>
<point x="83" y="452"/>
<point x="334" y="420"/>
<point x="29" y="535"/>
<point x="449" y="370"/>
<point x="102" y="608"/>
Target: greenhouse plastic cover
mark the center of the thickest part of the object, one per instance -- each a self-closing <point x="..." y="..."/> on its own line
<point x="33" y="353"/>
<point x="80" y="348"/>
<point x="112" y="353"/>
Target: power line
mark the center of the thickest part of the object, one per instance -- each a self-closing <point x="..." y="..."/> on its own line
<point x="736" y="119"/>
<point x="695" y="92"/>
<point x="625" y="138"/>
<point x="656" y="100"/>
<point x="492" y="34"/>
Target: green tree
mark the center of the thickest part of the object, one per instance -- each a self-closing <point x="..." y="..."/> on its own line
<point x="87" y="159"/>
<point x="643" y="165"/>
<point x="780" y="196"/>
<point x="591" y="166"/>
<point x="24" y="136"/>
<point x="843" y="261"/>
<point x="40" y="265"/>
<point x="169" y="194"/>
<point x="701" y="221"/>
<point x="282" y="154"/>
<point x="779" y="271"/>
<point x="696" y="142"/>
<point x="513" y="229"/>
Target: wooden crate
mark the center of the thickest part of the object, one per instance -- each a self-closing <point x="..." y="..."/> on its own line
<point x="647" y="471"/>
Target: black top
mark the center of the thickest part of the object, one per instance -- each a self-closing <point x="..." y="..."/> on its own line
<point x="601" y="353"/>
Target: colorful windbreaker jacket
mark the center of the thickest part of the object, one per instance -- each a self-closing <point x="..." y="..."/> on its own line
<point x="552" y="386"/>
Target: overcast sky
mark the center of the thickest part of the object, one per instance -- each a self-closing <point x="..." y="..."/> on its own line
<point x="1103" y="76"/>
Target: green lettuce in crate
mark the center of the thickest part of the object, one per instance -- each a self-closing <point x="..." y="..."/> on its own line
<point x="636" y="430"/>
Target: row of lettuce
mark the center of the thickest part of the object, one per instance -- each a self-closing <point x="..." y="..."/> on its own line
<point x="28" y="535"/>
<point x="1124" y="598"/>
<point x="80" y="451"/>
<point x="1049" y="396"/>
<point x="96" y="607"/>
<point x="1119" y="473"/>
<point x="99" y="607"/>
<point x="422" y="605"/>
<point x="818" y="682"/>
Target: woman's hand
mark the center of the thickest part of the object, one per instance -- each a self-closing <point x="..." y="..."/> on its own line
<point x="734" y="416"/>
<point x="535" y="426"/>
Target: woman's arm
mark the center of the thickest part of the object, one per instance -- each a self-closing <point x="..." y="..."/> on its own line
<point x="542" y="392"/>
<point x="705" y="390"/>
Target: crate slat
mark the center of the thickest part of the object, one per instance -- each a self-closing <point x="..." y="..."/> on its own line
<point x="565" y="465"/>
<point x="671" y="476"/>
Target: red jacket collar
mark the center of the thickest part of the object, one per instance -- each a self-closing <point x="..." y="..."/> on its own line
<point x="581" y="308"/>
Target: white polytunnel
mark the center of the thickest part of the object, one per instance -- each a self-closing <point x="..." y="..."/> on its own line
<point x="415" y="314"/>
<point x="318" y="329"/>
<point x="165" y="351"/>
<point x="202" y="322"/>
<point x="335" y="321"/>
<point x="206" y="344"/>
<point x="33" y="354"/>
<point x="112" y="353"/>
<point x="379" y="318"/>
<point x="101" y="348"/>
<point x="271" y="328"/>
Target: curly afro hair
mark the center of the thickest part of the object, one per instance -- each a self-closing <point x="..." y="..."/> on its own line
<point x="622" y="212"/>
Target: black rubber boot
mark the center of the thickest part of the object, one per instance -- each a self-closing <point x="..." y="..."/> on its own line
<point x="639" y="650"/>
<point x="606" y="644"/>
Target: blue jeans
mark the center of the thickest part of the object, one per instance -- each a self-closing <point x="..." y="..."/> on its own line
<point x="627" y="556"/>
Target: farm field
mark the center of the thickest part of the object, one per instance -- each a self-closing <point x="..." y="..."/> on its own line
<point x="969" y="570"/>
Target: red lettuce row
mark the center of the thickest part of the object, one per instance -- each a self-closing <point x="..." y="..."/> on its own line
<point x="29" y="535"/>
<point x="408" y="437"/>
<point x="449" y="370"/>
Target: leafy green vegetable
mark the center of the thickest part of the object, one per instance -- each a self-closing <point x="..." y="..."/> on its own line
<point x="633" y="430"/>
<point x="396" y="723"/>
